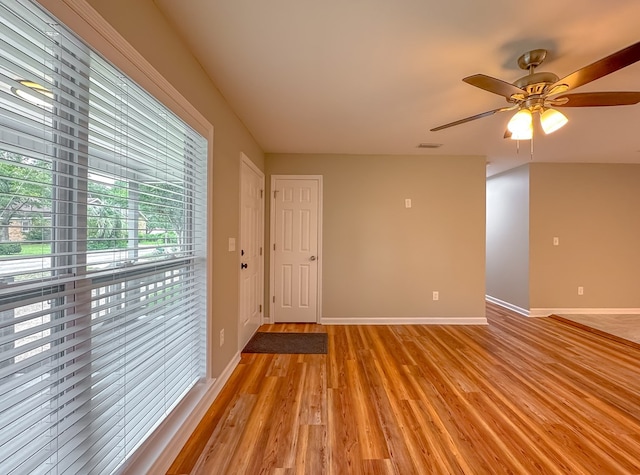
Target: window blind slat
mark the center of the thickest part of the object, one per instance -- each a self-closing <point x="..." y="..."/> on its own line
<point x="139" y="331"/>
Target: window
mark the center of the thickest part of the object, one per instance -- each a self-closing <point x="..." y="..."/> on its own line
<point x="102" y="253"/>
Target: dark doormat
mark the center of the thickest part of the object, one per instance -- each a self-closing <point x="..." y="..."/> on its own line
<point x="287" y="343"/>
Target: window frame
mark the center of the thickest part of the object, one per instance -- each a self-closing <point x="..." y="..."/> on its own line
<point x="88" y="25"/>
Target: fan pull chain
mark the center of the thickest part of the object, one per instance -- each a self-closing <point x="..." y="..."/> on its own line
<point x="532" y="149"/>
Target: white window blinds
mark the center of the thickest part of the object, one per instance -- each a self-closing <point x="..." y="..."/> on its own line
<point x="102" y="254"/>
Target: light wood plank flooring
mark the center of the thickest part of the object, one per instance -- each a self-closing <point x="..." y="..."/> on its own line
<point x="518" y="396"/>
<point x="626" y="326"/>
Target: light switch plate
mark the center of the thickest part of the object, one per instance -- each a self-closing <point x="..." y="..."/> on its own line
<point x="232" y="244"/>
<point x="407" y="203"/>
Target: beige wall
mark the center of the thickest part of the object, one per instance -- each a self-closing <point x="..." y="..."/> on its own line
<point x="508" y="237"/>
<point x="594" y="209"/>
<point x="144" y="27"/>
<point x="383" y="260"/>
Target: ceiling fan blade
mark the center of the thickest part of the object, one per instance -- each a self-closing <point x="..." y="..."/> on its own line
<point x="473" y="117"/>
<point x="497" y="86"/>
<point x="607" y="65"/>
<point x="598" y="99"/>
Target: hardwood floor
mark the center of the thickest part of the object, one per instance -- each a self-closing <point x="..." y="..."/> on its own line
<point x="518" y="396"/>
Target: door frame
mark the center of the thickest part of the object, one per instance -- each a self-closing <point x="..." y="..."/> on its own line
<point x="272" y="236"/>
<point x="245" y="160"/>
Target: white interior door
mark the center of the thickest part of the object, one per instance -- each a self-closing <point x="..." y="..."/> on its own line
<point x="296" y="231"/>
<point x="251" y="250"/>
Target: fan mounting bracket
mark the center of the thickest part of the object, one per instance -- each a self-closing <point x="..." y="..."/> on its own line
<point x="532" y="59"/>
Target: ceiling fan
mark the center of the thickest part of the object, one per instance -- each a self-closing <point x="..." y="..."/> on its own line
<point x="542" y="92"/>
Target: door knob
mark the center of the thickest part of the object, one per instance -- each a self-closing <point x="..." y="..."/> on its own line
<point x="312" y="258"/>
<point x="244" y="265"/>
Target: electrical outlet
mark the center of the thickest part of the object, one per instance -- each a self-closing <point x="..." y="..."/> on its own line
<point x="436" y="295"/>
<point x="222" y="337"/>
<point x="580" y="290"/>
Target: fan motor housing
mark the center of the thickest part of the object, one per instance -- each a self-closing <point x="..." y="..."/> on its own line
<point x="536" y="83"/>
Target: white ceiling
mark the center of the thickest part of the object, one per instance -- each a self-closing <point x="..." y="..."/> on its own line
<point x="373" y="76"/>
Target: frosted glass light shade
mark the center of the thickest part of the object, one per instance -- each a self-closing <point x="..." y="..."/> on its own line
<point x="525" y="134"/>
<point x="551" y="120"/>
<point x="520" y="123"/>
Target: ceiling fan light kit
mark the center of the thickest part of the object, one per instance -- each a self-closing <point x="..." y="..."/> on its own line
<point x="524" y="134"/>
<point x="521" y="122"/>
<point x="552" y="120"/>
<point x="542" y="92"/>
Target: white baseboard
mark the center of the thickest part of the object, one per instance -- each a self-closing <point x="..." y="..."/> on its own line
<point x="545" y="312"/>
<point x="159" y="453"/>
<point x="508" y="306"/>
<point x="404" y="320"/>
